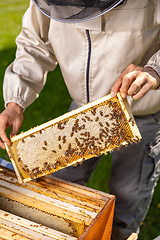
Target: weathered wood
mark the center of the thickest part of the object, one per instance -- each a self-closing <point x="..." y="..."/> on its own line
<point x="15" y="227"/>
<point x="70" y="209"/>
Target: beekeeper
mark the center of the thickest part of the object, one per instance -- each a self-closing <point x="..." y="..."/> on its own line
<point x="101" y="47"/>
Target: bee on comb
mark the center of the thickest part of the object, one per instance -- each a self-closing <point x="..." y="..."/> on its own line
<point x="98" y="127"/>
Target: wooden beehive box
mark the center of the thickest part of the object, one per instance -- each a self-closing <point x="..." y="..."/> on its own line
<point x="96" y="128"/>
<point x="53" y="209"/>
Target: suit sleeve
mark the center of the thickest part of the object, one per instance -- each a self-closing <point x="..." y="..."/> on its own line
<point x="26" y="76"/>
<point x="154" y="62"/>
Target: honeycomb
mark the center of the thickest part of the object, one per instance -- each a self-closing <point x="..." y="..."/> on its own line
<point x="99" y="127"/>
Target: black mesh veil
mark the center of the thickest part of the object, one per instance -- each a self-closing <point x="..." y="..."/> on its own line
<point x="75" y="10"/>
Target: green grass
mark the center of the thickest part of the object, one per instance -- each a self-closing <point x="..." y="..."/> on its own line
<point x="11" y="12"/>
<point x="53" y="101"/>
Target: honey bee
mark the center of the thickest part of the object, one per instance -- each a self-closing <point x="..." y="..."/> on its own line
<point x="106" y="129"/>
<point x="54" y="166"/>
<point x="100" y="124"/>
<point x="44" y="148"/>
<point x="101" y="113"/>
<point x="76" y="139"/>
<point x="59" y="138"/>
<point x="97" y="118"/>
<point x="60" y="126"/>
<point x="107" y="124"/>
<point x="72" y="133"/>
<point x="54" y="151"/>
<point x="83" y="126"/>
<point x="84" y="120"/>
<point x="88" y="118"/>
<point x="66" y="161"/>
<point x="32" y="135"/>
<point x="66" y="153"/>
<point x="93" y="111"/>
<point x="25" y="168"/>
<point x="64" y="139"/>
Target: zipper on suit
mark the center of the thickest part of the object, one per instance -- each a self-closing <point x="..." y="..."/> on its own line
<point x="88" y="64"/>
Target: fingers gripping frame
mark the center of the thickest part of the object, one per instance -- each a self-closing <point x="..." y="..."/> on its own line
<point x="98" y="127"/>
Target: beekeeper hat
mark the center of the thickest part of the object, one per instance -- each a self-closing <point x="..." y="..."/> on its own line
<point x="73" y="11"/>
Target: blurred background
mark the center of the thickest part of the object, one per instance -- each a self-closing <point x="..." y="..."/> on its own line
<point x="54" y="101"/>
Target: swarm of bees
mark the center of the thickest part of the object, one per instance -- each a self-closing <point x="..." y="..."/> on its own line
<point x="79" y="135"/>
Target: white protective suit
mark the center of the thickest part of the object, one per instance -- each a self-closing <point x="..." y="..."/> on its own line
<point x="91" y="56"/>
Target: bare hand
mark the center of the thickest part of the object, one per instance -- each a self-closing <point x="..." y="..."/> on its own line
<point x="136" y="81"/>
<point x="12" y="116"/>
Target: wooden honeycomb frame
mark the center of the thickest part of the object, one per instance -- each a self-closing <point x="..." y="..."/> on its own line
<point x="53" y="209"/>
<point x="98" y="127"/>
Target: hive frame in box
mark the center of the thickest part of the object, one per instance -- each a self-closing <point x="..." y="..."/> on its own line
<point x="54" y="207"/>
<point x="14" y="227"/>
<point x="69" y="156"/>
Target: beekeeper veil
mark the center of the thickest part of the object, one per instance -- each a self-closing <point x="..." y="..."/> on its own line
<point x="75" y="10"/>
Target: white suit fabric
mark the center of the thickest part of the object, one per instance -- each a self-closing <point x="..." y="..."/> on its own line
<point x="90" y="60"/>
<point x="91" y="56"/>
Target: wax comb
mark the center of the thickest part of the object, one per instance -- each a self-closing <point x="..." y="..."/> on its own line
<point x="98" y="127"/>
